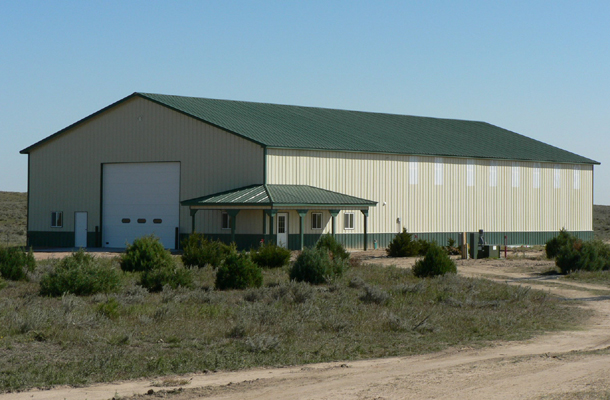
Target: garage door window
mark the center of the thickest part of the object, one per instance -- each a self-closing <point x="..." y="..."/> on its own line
<point x="57" y="219"/>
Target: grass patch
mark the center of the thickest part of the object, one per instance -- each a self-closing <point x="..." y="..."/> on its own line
<point x="596" y="277"/>
<point x="370" y="311"/>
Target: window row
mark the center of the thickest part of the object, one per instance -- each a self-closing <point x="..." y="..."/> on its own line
<point x="493" y="173"/>
<point x="316" y="220"/>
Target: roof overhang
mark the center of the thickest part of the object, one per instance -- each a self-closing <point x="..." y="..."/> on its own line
<point x="269" y="197"/>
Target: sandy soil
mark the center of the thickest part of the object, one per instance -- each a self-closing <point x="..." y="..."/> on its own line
<point x="566" y="365"/>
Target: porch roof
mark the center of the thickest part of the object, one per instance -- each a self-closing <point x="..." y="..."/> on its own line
<point x="278" y="196"/>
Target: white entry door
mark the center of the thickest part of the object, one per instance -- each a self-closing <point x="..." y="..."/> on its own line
<point x="80" y="229"/>
<point x="282" y="229"/>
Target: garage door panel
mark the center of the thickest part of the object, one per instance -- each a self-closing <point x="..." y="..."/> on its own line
<point x="140" y="191"/>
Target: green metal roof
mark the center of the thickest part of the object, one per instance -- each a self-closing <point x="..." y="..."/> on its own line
<point x="278" y="196"/>
<point x="296" y="127"/>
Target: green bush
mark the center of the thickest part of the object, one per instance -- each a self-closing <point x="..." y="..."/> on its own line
<point x="14" y="262"/>
<point x="554" y="245"/>
<point x="172" y="275"/>
<point x="270" y="256"/>
<point x="199" y="251"/>
<point x="110" y="308"/>
<point x="583" y="256"/>
<point x="330" y="244"/>
<point x="238" y="272"/>
<point x="146" y="253"/>
<point x="435" y="262"/>
<point x="316" y="266"/>
<point x="403" y="245"/>
<point x="80" y="274"/>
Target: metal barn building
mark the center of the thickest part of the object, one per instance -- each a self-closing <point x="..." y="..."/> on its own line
<point x="243" y="171"/>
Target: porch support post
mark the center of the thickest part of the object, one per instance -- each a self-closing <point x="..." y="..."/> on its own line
<point x="366" y="216"/>
<point x="233" y="215"/>
<point x="302" y="214"/>
<point x="193" y="212"/>
<point x="271" y="214"/>
<point x="264" y="227"/>
<point x="333" y="214"/>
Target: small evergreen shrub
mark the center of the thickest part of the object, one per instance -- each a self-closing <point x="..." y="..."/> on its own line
<point x="435" y="262"/>
<point x="554" y="245"/>
<point x="15" y="262"/>
<point x="171" y="275"/>
<point x="316" y="266"/>
<point x="144" y="254"/>
<point x="198" y="251"/>
<point x="238" y="272"/>
<point x="270" y="255"/>
<point x="110" y="308"/>
<point x="330" y="244"/>
<point x="80" y="274"/>
<point x="403" y="245"/>
<point x="586" y="256"/>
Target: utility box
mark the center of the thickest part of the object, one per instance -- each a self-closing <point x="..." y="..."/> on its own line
<point x="489" y="251"/>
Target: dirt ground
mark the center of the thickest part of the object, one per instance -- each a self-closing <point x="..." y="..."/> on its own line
<point x="563" y="365"/>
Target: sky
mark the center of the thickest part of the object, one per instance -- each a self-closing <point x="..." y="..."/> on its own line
<point x="539" y="68"/>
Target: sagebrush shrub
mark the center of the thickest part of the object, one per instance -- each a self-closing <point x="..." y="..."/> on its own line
<point x="238" y="271"/>
<point x="144" y="254"/>
<point x="270" y="255"/>
<point x="586" y="256"/>
<point x="330" y="244"/>
<point x="554" y="245"/>
<point x="199" y="251"/>
<point x="171" y="275"/>
<point x="403" y="245"/>
<point x="15" y="262"/>
<point x="315" y="266"/>
<point x="435" y="262"/>
<point x="80" y="274"/>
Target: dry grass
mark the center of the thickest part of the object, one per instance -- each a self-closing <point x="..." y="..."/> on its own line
<point x="370" y="312"/>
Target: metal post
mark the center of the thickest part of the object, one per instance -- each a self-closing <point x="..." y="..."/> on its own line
<point x="193" y="212"/>
<point x="271" y="214"/>
<point x="233" y="215"/>
<point x="302" y="214"/>
<point x="333" y="214"/>
<point x="366" y="214"/>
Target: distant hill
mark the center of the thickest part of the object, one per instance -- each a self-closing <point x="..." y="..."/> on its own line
<point x="601" y="222"/>
<point x="13" y="219"/>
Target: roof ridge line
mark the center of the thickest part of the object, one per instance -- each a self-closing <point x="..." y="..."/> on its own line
<point x="271" y="200"/>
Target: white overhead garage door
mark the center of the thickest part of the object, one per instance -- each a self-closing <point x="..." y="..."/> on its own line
<point x="140" y="199"/>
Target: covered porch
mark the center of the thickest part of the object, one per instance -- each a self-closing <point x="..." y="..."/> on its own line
<point x="276" y="203"/>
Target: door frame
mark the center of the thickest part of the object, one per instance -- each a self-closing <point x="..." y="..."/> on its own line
<point x="286" y="228"/>
<point x="78" y="235"/>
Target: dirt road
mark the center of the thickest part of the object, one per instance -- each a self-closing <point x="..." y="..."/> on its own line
<point x="565" y="365"/>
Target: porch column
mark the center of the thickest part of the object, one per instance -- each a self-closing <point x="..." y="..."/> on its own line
<point x="193" y="212"/>
<point x="333" y="214"/>
<point x="302" y="214"/>
<point x="264" y="227"/>
<point x="366" y="215"/>
<point x="271" y="214"/>
<point x="233" y="215"/>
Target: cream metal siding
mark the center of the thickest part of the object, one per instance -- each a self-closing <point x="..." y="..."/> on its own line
<point x="452" y="206"/>
<point x="65" y="172"/>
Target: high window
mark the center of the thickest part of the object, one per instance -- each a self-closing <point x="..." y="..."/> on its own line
<point x="413" y="173"/>
<point x="470" y="173"/>
<point x="438" y="171"/>
<point x="493" y="173"/>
